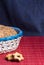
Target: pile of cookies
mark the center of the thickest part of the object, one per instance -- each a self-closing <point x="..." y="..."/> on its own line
<point x="14" y="57"/>
<point x="6" y="31"/>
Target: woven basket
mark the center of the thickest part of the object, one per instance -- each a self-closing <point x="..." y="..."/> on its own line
<point x="10" y="43"/>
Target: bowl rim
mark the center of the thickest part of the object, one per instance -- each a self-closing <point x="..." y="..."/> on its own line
<point x="14" y="36"/>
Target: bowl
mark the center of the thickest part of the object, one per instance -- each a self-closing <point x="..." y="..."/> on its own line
<point x="11" y="43"/>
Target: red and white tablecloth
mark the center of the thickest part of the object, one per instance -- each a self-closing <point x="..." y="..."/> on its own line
<point x="32" y="48"/>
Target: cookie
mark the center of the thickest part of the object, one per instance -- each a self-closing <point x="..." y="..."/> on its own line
<point x="8" y="57"/>
<point x="1" y="34"/>
<point x="6" y="31"/>
<point x="18" y="57"/>
<point x="14" y="57"/>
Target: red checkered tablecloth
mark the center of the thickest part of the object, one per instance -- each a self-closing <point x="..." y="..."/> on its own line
<point x="32" y="49"/>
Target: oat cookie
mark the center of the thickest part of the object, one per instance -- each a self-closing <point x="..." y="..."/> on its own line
<point x="6" y="31"/>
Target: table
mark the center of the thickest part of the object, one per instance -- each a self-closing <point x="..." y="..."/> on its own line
<point x="32" y="48"/>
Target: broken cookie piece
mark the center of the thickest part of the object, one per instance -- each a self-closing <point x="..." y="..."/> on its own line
<point x="9" y="57"/>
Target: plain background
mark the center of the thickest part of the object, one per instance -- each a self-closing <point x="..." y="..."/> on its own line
<point x="28" y="15"/>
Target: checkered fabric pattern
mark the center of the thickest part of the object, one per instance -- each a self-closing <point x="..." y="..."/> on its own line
<point x="32" y="49"/>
